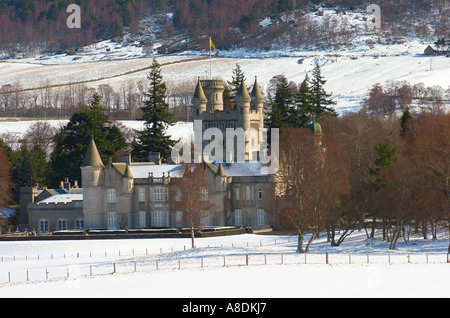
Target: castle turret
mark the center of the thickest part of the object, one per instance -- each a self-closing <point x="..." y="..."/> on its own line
<point x="214" y="93"/>
<point x="243" y="101"/>
<point x="199" y="100"/>
<point x="258" y="102"/>
<point x="92" y="178"/>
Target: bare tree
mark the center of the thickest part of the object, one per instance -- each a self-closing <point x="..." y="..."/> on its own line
<point x="312" y="178"/>
<point x="191" y="197"/>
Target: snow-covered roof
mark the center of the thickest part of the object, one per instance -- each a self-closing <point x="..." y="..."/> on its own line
<point x="63" y="198"/>
<point x="142" y="171"/>
<point x="245" y="169"/>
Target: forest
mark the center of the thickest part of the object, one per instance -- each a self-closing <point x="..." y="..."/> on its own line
<point x="32" y="27"/>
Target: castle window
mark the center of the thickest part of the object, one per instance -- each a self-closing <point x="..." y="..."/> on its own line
<point x="158" y="195"/>
<point x="43" y="226"/>
<point x="142" y="219"/>
<point x="238" y="217"/>
<point x="141" y="195"/>
<point x="204" y="195"/>
<point x="111" y="195"/>
<point x="160" y="219"/>
<point x="259" y="194"/>
<point x="112" y="221"/>
<point x="248" y="193"/>
<point x="237" y="194"/>
<point x="62" y="225"/>
<point x="79" y="224"/>
<point x="260" y="220"/>
<point x="179" y="218"/>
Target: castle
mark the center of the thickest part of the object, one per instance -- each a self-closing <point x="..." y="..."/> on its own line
<point x="138" y="195"/>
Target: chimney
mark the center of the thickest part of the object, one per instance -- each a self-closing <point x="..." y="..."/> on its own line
<point x="155" y="157"/>
<point x="126" y="159"/>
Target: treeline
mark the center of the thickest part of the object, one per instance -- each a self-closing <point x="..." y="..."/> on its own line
<point x="367" y="170"/>
<point x="121" y="102"/>
<point x="29" y="27"/>
<point x="33" y="26"/>
<point x="396" y="97"/>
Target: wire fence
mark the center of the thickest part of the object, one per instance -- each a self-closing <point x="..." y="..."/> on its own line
<point x="173" y="262"/>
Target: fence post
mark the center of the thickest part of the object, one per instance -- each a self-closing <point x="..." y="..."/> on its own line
<point x="201" y="259"/>
<point x="349" y="258"/>
<point x="114" y="268"/>
<point x="135" y="266"/>
<point x="90" y="269"/>
<point x="246" y="259"/>
<point x="326" y="257"/>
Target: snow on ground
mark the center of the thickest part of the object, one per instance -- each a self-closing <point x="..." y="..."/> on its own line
<point x="18" y="128"/>
<point x="168" y="268"/>
<point x="348" y="79"/>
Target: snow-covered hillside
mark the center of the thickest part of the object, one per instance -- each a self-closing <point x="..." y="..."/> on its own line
<point x="351" y="70"/>
<point x="350" y="73"/>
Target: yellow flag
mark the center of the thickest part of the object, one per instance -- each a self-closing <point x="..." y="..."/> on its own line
<point x="212" y="45"/>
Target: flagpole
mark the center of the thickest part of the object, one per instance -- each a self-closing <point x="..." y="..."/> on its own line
<point x="210" y="58"/>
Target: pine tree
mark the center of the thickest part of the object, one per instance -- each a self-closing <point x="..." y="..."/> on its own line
<point x="230" y="92"/>
<point x="157" y="118"/>
<point x="386" y="159"/>
<point x="72" y="141"/>
<point x="303" y="105"/>
<point x="321" y="99"/>
<point x="282" y="106"/>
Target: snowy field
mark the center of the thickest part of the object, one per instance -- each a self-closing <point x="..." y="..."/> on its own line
<point x="241" y="266"/>
<point x="349" y="72"/>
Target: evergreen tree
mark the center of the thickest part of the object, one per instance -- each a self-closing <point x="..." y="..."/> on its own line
<point x="230" y="92"/>
<point x="321" y="99"/>
<point x="157" y="118"/>
<point x="386" y="158"/>
<point x="303" y="105"/>
<point x="282" y="112"/>
<point x="405" y="121"/>
<point x="72" y="141"/>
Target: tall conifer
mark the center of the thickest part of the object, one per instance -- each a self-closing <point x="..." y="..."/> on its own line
<point x="153" y="138"/>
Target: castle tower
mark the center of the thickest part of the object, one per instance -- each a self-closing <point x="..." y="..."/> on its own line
<point x="214" y="93"/>
<point x="92" y="178"/>
<point x="199" y="100"/>
<point x="258" y="102"/>
<point x="243" y="101"/>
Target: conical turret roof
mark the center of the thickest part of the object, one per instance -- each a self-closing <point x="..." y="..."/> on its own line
<point x="221" y="171"/>
<point x="242" y="93"/>
<point x="92" y="158"/>
<point x="256" y="92"/>
<point x="199" y="94"/>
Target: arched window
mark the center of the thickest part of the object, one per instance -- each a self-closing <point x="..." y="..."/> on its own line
<point x="43" y="226"/>
<point x="62" y="225"/>
<point x="79" y="224"/>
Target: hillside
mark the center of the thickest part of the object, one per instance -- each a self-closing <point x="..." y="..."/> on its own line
<point x="33" y="27"/>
